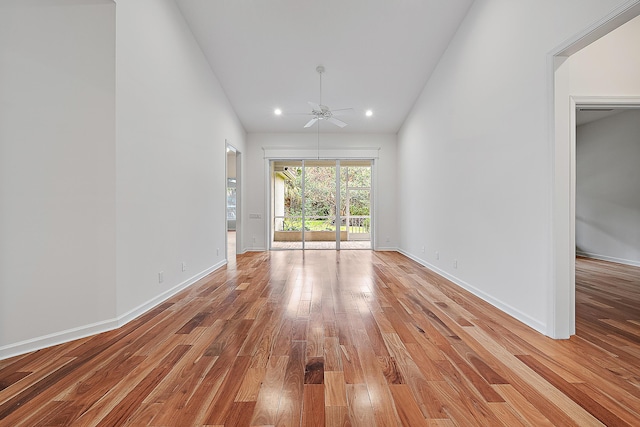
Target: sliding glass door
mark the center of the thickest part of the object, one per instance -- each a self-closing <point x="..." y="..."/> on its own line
<point x="287" y="204"/>
<point x="321" y="204"/>
<point x="356" y="179"/>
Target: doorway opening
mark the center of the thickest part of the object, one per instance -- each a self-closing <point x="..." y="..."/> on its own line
<point x="232" y="199"/>
<point x="321" y="204"/>
<point x="607" y="216"/>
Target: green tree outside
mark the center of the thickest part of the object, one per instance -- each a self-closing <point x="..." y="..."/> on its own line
<point x="320" y="200"/>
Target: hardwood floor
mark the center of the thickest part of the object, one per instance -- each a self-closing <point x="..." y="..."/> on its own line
<point x="339" y="338"/>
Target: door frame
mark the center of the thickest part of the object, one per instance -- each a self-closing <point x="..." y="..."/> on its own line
<point x="561" y="119"/>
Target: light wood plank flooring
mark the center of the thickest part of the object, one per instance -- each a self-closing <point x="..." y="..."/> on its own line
<point x="327" y="338"/>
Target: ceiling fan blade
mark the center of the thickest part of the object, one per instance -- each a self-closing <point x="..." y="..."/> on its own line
<point x="311" y="122"/>
<point x="336" y="122"/>
<point x="314" y="106"/>
<point x="342" y="111"/>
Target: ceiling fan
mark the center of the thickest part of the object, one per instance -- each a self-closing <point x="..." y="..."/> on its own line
<point x="322" y="112"/>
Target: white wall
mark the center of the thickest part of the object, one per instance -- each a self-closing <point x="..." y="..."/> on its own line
<point x="57" y="174"/>
<point x="474" y="156"/>
<point x="304" y="145"/>
<point x="609" y="66"/>
<point x="172" y="121"/>
<point x="112" y="131"/>
<point x="608" y="188"/>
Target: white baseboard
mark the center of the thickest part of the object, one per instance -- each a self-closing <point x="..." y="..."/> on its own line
<point x="127" y="317"/>
<point x="609" y="258"/>
<point x="56" y="338"/>
<point x="84" y="331"/>
<point x="387" y="249"/>
<point x="511" y="311"/>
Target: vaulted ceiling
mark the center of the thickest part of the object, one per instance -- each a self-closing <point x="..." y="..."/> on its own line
<point x="378" y="55"/>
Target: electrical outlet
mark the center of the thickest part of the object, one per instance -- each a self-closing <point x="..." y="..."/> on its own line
<point x="217" y="251"/>
<point x="437" y="255"/>
<point x="161" y="277"/>
<point x="388" y="239"/>
<point x="423" y="249"/>
<point x="455" y="263"/>
<point x="184" y="266"/>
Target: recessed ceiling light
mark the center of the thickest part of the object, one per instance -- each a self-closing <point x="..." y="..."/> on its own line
<point x="369" y="113"/>
<point x="277" y="111"/>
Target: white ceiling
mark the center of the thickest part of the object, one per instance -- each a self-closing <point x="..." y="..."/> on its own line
<point x="378" y="55"/>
